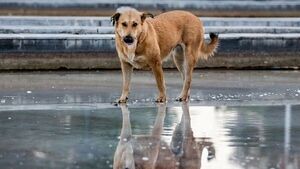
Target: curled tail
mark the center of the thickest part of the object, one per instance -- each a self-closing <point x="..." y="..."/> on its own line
<point x="210" y="48"/>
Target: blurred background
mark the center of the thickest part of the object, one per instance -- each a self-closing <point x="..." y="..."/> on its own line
<point x="77" y="34"/>
<point x="249" y="8"/>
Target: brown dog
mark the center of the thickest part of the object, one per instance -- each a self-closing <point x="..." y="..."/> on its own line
<point x="144" y="42"/>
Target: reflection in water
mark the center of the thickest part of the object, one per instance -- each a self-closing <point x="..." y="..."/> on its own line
<point x="244" y="137"/>
<point x="138" y="152"/>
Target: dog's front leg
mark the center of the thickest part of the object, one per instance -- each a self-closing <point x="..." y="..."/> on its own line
<point x="159" y="77"/>
<point x="126" y="73"/>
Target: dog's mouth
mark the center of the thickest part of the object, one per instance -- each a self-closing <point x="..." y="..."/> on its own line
<point x="129" y="43"/>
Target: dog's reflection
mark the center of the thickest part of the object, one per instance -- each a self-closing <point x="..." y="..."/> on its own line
<point x="150" y="152"/>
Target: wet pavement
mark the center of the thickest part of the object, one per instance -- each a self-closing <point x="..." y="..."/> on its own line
<point x="235" y="120"/>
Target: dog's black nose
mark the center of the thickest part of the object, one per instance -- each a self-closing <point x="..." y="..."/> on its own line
<point x="128" y="39"/>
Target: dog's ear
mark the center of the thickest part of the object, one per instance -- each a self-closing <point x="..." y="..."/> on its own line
<point x="115" y="18"/>
<point x="146" y="15"/>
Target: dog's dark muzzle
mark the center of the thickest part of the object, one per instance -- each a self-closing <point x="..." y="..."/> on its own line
<point x="128" y="39"/>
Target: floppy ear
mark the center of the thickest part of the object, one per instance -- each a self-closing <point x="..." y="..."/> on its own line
<point x="146" y="15"/>
<point x="115" y="18"/>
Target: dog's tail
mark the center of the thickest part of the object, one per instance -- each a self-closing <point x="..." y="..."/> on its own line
<point x="209" y="49"/>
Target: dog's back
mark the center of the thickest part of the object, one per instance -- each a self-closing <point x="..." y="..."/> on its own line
<point x="176" y="27"/>
<point x="179" y="20"/>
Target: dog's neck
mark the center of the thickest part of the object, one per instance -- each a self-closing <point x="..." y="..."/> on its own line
<point x="131" y="51"/>
<point x="143" y="34"/>
<point x="142" y="37"/>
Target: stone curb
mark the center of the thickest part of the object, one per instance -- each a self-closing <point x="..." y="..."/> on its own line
<point x="105" y="42"/>
<point x="83" y="30"/>
<point x="105" y="21"/>
<point x="238" y="51"/>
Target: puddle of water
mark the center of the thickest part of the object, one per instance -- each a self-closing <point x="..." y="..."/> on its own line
<point x="232" y="137"/>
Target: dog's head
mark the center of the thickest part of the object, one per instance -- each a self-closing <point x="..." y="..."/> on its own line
<point x="128" y="23"/>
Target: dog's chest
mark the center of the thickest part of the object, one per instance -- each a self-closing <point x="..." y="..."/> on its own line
<point x="138" y="62"/>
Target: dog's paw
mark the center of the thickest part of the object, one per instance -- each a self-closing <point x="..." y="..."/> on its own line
<point x="182" y="98"/>
<point x="161" y="99"/>
<point x="120" y="101"/>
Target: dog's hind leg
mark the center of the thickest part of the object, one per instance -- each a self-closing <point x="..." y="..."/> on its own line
<point x="178" y="58"/>
<point x="189" y="64"/>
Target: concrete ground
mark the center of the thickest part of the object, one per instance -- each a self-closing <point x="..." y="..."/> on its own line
<point x="239" y="119"/>
<point x="102" y="87"/>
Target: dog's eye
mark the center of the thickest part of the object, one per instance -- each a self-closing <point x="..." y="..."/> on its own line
<point x="124" y="24"/>
<point x="134" y="24"/>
